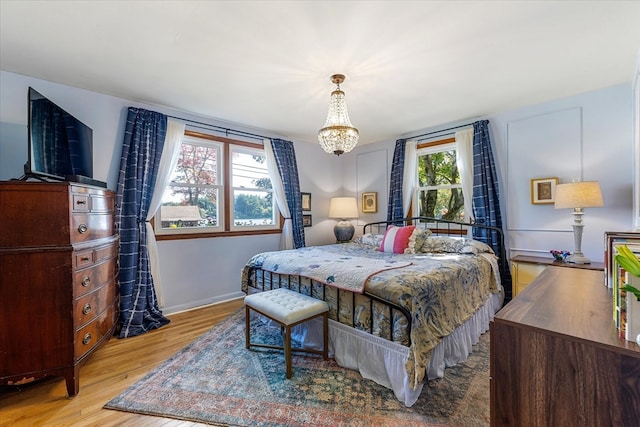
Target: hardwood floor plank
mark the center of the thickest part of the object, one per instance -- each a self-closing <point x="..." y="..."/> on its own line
<point x="107" y="373"/>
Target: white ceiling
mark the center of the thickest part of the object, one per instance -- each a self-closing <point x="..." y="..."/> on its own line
<point x="409" y="64"/>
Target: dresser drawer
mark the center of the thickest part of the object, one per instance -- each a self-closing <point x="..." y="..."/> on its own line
<point x="82" y="259"/>
<point x="86" y="227"/>
<point x="80" y="203"/>
<point x="91" y="334"/>
<point x="528" y="272"/>
<point x="84" y="199"/>
<point x="89" y="279"/>
<point x="102" y="203"/>
<point x="88" y="306"/>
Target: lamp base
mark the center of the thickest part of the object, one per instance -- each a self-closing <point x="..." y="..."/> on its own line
<point x="343" y="231"/>
<point x="578" y="258"/>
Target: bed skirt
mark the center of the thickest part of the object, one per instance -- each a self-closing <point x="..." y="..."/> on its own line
<point x="383" y="361"/>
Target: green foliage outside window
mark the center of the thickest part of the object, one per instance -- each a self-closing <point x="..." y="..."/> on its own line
<point x="440" y="193"/>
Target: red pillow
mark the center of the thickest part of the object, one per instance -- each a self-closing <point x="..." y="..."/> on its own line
<point x="396" y="239"/>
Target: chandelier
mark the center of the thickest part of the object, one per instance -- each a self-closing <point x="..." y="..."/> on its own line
<point x="338" y="134"/>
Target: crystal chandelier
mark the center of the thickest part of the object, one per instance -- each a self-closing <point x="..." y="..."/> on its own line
<point x="338" y="134"/>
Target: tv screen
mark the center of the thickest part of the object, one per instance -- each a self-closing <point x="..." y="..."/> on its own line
<point x="60" y="146"/>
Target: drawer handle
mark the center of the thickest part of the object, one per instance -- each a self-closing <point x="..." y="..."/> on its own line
<point x="83" y="228"/>
<point x="86" y="281"/>
<point x="85" y="258"/>
<point x="81" y="202"/>
<point x="87" y="338"/>
<point x="86" y="309"/>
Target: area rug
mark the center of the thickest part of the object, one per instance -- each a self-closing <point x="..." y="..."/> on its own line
<point x="215" y="380"/>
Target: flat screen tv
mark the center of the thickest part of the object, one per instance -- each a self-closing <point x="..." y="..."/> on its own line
<point x="60" y="146"/>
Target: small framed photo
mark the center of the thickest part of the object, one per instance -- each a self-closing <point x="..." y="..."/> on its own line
<point x="370" y="202"/>
<point x="306" y="201"/>
<point x="543" y="190"/>
<point x="306" y="220"/>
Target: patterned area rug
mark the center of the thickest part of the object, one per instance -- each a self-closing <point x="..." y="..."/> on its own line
<point x="215" y="380"/>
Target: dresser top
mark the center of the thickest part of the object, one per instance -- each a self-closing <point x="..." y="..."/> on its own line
<point x="550" y="261"/>
<point x="569" y="302"/>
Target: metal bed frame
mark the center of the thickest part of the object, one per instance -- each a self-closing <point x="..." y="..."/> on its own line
<point x="258" y="278"/>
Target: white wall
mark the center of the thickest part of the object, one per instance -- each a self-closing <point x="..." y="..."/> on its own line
<point x="588" y="136"/>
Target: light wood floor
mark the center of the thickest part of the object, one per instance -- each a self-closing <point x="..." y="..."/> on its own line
<point x="107" y="373"/>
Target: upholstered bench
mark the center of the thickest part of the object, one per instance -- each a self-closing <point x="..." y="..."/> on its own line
<point x="288" y="308"/>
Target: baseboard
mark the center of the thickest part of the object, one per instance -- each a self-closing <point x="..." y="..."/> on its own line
<point x="202" y="303"/>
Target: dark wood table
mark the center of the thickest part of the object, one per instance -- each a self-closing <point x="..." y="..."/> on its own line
<point x="557" y="359"/>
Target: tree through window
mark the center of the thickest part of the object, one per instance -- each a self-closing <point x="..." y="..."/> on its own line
<point x="439" y="190"/>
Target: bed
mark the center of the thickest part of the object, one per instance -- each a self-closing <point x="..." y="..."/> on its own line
<point x="407" y="298"/>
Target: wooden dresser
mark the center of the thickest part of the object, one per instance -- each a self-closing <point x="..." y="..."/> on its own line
<point x="557" y="360"/>
<point x="59" y="298"/>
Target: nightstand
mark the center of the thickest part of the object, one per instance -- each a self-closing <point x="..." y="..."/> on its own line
<point x="526" y="268"/>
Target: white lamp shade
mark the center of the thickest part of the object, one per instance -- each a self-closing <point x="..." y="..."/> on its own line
<point x="343" y="208"/>
<point x="585" y="194"/>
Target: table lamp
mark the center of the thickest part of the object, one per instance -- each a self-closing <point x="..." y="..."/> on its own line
<point x="578" y="195"/>
<point x="343" y="208"/>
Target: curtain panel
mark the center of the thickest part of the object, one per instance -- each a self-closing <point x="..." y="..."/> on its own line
<point x="395" y="207"/>
<point x="286" y="238"/>
<point x="402" y="183"/>
<point x="168" y="160"/>
<point x="486" y="193"/>
<point x="464" y="162"/>
<point x="283" y="154"/>
<point x="142" y="147"/>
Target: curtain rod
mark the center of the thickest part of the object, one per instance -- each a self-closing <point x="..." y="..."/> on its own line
<point x="439" y="131"/>
<point x="226" y="131"/>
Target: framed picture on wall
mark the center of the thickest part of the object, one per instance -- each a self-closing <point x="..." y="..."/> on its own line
<point x="370" y="202"/>
<point x="543" y="190"/>
<point x="306" y="201"/>
<point x="306" y="220"/>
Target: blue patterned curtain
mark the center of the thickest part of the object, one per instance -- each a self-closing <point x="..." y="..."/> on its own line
<point x="395" y="208"/>
<point x="144" y="137"/>
<point x="486" y="194"/>
<point x="287" y="166"/>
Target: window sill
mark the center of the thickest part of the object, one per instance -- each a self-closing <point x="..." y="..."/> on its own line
<point x="213" y="235"/>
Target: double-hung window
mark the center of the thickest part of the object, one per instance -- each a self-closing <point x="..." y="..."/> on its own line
<point x="218" y="186"/>
<point x="439" y="187"/>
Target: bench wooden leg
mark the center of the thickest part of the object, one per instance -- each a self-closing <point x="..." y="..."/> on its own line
<point x="325" y="335"/>
<point x="287" y="349"/>
<point x="247" y="323"/>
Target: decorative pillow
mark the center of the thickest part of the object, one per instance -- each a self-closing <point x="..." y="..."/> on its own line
<point x="369" y="239"/>
<point x="396" y="239"/>
<point x="459" y="245"/>
<point x="417" y="239"/>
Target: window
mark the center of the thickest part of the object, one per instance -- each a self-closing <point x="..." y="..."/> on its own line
<point x="439" y="188"/>
<point x="219" y="185"/>
<point x="252" y="196"/>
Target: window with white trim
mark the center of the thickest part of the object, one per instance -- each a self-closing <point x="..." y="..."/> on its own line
<point x="438" y="191"/>
<point x="218" y="185"/>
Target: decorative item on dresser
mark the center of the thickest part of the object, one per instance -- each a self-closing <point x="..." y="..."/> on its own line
<point x="59" y="283"/>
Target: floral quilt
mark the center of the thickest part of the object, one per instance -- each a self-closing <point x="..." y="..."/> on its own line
<point x="441" y="290"/>
<point x="341" y="270"/>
